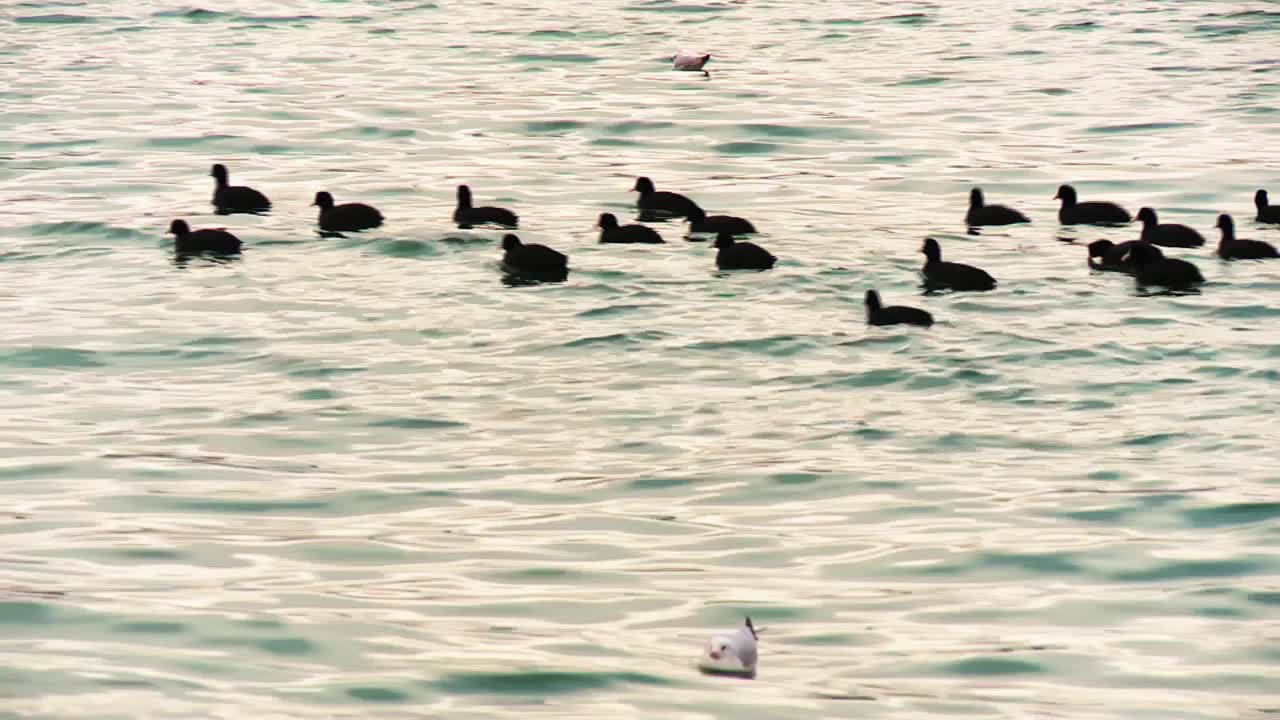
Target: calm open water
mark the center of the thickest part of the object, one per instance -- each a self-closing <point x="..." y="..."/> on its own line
<point x="363" y="478"/>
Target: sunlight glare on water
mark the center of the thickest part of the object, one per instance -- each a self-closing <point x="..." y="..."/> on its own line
<point x="362" y="477"/>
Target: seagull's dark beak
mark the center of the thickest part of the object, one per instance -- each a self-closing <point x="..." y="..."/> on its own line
<point x="714" y="655"/>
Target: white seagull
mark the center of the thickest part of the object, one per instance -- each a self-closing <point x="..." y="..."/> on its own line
<point x="732" y="653"/>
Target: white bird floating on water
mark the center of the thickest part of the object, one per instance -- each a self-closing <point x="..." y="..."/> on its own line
<point x="731" y="653"/>
<point x="685" y="61"/>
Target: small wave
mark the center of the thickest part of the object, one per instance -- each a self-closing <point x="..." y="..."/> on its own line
<point x="776" y="346"/>
<point x="1246" y="311"/>
<point x="275" y="19"/>
<point x="993" y="666"/>
<point x="92" y="229"/>
<point x="406" y="249"/>
<point x="575" y="58"/>
<point x="188" y="141"/>
<point x="869" y="378"/>
<point x="416" y="423"/>
<point x="376" y="694"/>
<point x="744" y="148"/>
<point x="50" y="357"/>
<point x="772" y="130"/>
<point x="667" y="6"/>
<point x="249" y="506"/>
<point x="539" y="682"/>
<point x="640" y="338"/>
<point x="909" y="19"/>
<point x="197" y="14"/>
<point x="1189" y="570"/>
<point x="1139" y="127"/>
<point x="553" y="126"/>
<point x="610" y="311"/>
<point x="630" y="127"/>
<point x="1233" y="514"/>
<point x="1154" y="439"/>
<point x="1083" y="25"/>
<point x="55" y="19"/>
<point x="926" y="81"/>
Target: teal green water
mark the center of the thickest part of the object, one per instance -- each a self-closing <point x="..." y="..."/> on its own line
<point x="362" y="477"/>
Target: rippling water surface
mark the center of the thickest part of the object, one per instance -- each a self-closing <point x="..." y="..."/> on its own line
<point x="363" y="477"/>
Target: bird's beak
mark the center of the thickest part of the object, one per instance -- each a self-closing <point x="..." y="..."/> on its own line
<point x="714" y="655"/>
<point x="1057" y="196"/>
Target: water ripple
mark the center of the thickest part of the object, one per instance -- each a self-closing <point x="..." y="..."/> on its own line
<point x="361" y="476"/>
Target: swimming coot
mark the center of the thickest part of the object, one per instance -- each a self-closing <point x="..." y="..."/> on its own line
<point x="1168" y="234"/>
<point x="894" y="314"/>
<point x="348" y="216"/>
<point x="235" y="198"/>
<point x="1151" y="267"/>
<point x="982" y="214"/>
<point x="209" y="240"/>
<point x="465" y="215"/>
<point x="663" y="202"/>
<point x="1095" y="212"/>
<point x="701" y="222"/>
<point x="611" y="232"/>
<point x="1267" y="213"/>
<point x="940" y="275"/>
<point x="1111" y="256"/>
<point x="734" y="255"/>
<point x="518" y="257"/>
<point x="1231" y="248"/>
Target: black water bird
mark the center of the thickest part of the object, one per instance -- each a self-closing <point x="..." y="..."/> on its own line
<point x="670" y="203"/>
<point x="1167" y="234"/>
<point x="211" y="240"/>
<point x="701" y="222"/>
<point x="1151" y="267"/>
<point x="1232" y="248"/>
<point x="612" y="232"/>
<point x="734" y="255"/>
<point x="1267" y="213"/>
<point x="1112" y="256"/>
<point x="531" y="258"/>
<point x="229" y="198"/>
<point x="877" y="314"/>
<point x="348" y="216"/>
<point x="1095" y="212"/>
<point x="940" y="275"/>
<point x="981" y="213"/>
<point x="465" y="215"/>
